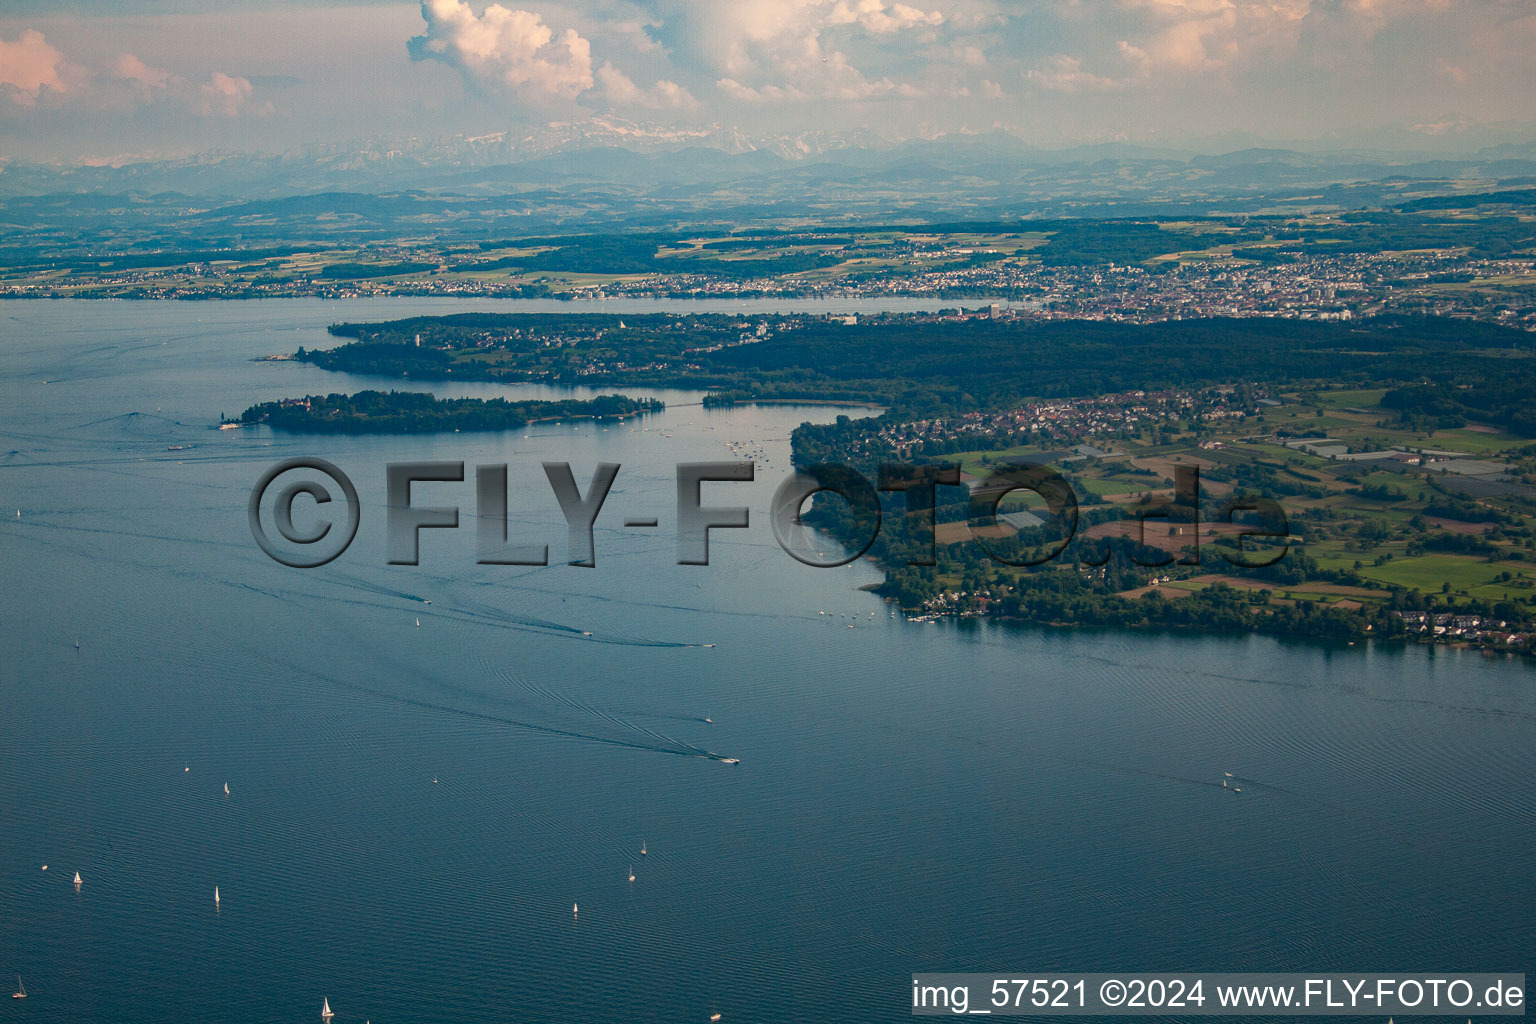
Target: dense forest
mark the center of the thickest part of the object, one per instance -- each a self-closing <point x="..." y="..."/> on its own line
<point x="1492" y="391"/>
<point x="920" y="365"/>
<point x="400" y="412"/>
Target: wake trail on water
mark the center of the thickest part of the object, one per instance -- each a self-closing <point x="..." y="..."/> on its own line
<point x="592" y="710"/>
<point x="480" y="716"/>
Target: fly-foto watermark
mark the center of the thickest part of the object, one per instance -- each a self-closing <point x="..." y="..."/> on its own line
<point x="294" y="480"/>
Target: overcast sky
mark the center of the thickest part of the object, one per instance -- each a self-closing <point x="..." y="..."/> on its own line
<point x="108" y="80"/>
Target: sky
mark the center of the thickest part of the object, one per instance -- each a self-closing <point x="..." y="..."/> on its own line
<point x="95" y="81"/>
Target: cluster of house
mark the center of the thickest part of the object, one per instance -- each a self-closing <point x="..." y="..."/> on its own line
<point x="1067" y="420"/>
<point x="963" y="603"/>
<point x="1450" y="626"/>
<point x="1339" y="286"/>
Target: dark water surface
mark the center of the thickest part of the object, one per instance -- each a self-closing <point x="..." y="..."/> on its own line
<point x="909" y="798"/>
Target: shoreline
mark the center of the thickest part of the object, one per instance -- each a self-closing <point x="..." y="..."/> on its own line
<point x="392" y="432"/>
<point x="1528" y="657"/>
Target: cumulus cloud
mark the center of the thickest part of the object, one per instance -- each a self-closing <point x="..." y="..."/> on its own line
<point x="1185" y="36"/>
<point x="1064" y="73"/>
<point x="219" y="95"/>
<point x="780" y="50"/>
<point x="131" y="69"/>
<point x="1193" y="36"/>
<point x="28" y="66"/>
<point x="875" y="16"/>
<point x="512" y="49"/>
<point x="1448" y="70"/>
<point x="32" y="69"/>
<point x="224" y="95"/>
<point x="621" y="91"/>
<point x="1182" y="39"/>
<point x="762" y="94"/>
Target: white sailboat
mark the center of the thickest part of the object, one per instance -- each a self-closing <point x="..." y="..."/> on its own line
<point x="21" y="990"/>
<point x="226" y="789"/>
<point x="575" y="910"/>
<point x="642" y="847"/>
<point x="325" y="1009"/>
<point x="77" y="879"/>
<point x="215" y="895"/>
<point x="631" y="872"/>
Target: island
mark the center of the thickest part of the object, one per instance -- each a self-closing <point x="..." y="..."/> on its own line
<point x="407" y="412"/>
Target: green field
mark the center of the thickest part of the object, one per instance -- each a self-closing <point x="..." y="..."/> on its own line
<point x="1362" y="398"/>
<point x="1429" y="572"/>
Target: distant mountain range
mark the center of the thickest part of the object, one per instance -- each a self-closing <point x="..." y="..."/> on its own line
<point x="606" y="175"/>
<point x="635" y="155"/>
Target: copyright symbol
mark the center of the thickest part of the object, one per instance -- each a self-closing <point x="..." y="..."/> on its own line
<point x="282" y="513"/>
<point x="1112" y="992"/>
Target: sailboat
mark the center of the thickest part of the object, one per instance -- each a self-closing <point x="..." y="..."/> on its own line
<point x="325" y="1009"/>
<point x="77" y="879"/>
<point x="642" y="847"/>
<point x="215" y="895"/>
<point x="226" y="789"/>
<point x="418" y="623"/>
<point x="575" y="910"/>
<point x="21" y="990"/>
<point x="631" y="872"/>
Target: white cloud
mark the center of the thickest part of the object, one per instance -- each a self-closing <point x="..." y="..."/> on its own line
<point x="972" y="56"/>
<point x="637" y="33"/>
<point x="762" y="94"/>
<point x="776" y="50"/>
<point x="129" y="68"/>
<point x="226" y="96"/>
<point x="28" y="66"/>
<point x="513" y="49"/>
<point x="1064" y="73"/>
<point x="1453" y="72"/>
<point x="1193" y="36"/>
<point x="31" y="68"/>
<point x="621" y="91"/>
<point x="219" y="95"/>
<point x="876" y="17"/>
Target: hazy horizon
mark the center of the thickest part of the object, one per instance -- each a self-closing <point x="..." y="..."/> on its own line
<point x="150" y="79"/>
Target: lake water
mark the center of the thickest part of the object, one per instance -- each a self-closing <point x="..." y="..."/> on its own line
<point x="910" y="797"/>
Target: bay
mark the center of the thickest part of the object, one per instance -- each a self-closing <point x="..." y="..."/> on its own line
<point x="413" y="811"/>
